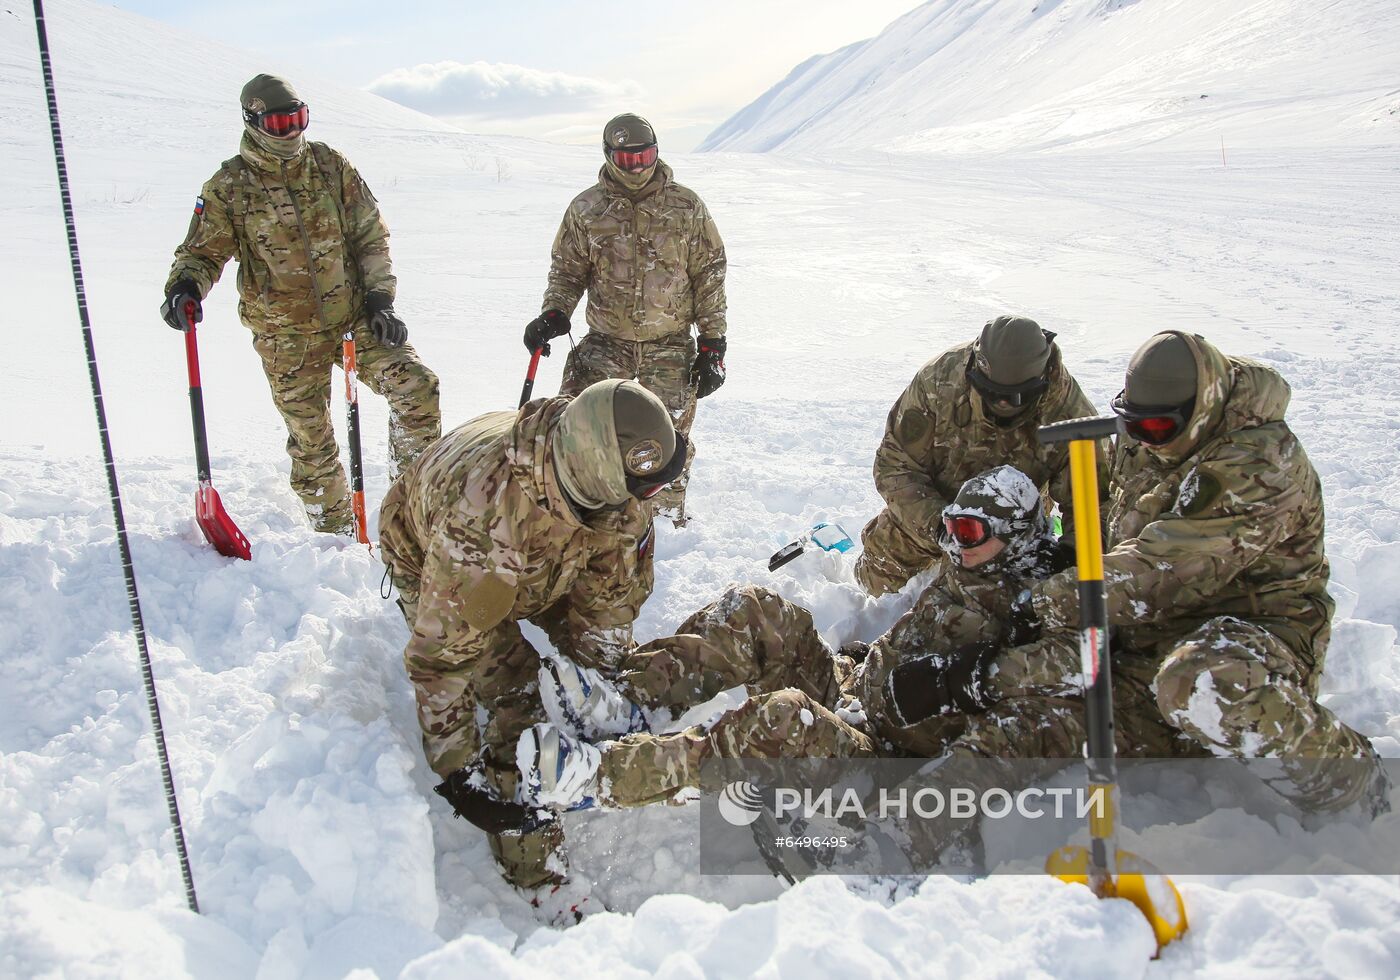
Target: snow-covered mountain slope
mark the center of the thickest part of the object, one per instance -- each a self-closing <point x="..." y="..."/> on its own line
<point x="317" y="844"/>
<point x="963" y="76"/>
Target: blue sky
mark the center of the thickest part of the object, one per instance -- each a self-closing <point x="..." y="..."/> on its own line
<point x="544" y="68"/>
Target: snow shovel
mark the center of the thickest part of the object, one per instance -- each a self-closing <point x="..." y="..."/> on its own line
<point x="1108" y="871"/>
<point x="529" y="385"/>
<point x="219" y="529"/>
<point x="352" y="431"/>
<point x="827" y="537"/>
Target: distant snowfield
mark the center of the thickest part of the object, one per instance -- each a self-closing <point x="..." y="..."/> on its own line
<point x="317" y="844"/>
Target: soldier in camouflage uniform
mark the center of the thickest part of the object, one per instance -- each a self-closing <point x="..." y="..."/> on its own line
<point x="313" y="263"/>
<point x="534" y="515"/>
<point x="650" y="257"/>
<point x="969" y="409"/>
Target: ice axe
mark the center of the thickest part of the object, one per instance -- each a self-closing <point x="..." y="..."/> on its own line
<point x="219" y="529"/>
<point x="352" y="433"/>
<point x="827" y="537"/>
<point x="1108" y="871"/>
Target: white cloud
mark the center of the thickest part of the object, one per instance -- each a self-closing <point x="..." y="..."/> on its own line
<point x="450" y="88"/>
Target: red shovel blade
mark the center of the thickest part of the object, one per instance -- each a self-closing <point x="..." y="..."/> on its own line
<point x="219" y="529"/>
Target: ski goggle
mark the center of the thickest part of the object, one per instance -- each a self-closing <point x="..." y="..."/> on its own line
<point x="1015" y="395"/>
<point x="966" y="530"/>
<point x="1154" y="426"/>
<point x="648" y="486"/>
<point x="280" y="122"/>
<point x="634" y="159"/>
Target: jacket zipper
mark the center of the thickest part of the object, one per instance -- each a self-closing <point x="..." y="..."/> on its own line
<point x="306" y="244"/>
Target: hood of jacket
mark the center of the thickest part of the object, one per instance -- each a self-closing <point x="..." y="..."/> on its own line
<point x="1232" y="393"/>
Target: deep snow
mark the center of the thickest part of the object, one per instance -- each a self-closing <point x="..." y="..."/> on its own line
<point x="317" y="843"/>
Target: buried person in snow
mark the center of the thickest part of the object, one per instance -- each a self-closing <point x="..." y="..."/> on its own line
<point x="313" y="263"/>
<point x="650" y="257"/>
<point x="1216" y="580"/>
<point x="969" y="409"/>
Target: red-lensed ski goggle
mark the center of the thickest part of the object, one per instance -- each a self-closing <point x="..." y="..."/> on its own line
<point x="280" y="122"/>
<point x="630" y="160"/>
<point x="1155" y="426"/>
<point x="966" y="530"/>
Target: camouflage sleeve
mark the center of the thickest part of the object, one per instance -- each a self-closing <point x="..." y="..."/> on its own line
<point x="706" y="270"/>
<point x="568" y="266"/>
<point x="1231" y="509"/>
<point x="209" y="243"/>
<point x="367" y="233"/>
<point x="902" y="461"/>
<point x="596" y="626"/>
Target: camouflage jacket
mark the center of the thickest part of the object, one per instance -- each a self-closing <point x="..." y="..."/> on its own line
<point x="1225" y="521"/>
<point x="938" y="436"/>
<point x="651" y="260"/>
<point x="307" y="234"/>
<point x="480" y="520"/>
<point x="957" y="607"/>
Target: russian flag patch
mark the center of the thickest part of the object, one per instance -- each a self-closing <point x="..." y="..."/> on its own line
<point x="199" y="205"/>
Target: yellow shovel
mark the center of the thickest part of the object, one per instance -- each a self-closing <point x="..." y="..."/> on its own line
<point x="1108" y="871"/>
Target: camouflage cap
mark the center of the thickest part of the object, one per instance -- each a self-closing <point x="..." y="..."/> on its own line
<point x="265" y="92"/>
<point x="1012" y="349"/>
<point x="628" y="130"/>
<point x="1162" y="372"/>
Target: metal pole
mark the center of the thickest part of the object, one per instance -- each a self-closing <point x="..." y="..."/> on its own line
<point x="113" y="490"/>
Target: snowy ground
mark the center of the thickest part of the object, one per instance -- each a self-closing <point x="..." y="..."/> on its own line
<point x="316" y="842"/>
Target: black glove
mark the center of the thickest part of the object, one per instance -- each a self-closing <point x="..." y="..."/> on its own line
<point x="544" y="328"/>
<point x="1024" y="623"/>
<point x="708" y="373"/>
<point x="174" y="310"/>
<point x="386" y="325"/>
<point x="941" y="684"/>
<point x="474" y="801"/>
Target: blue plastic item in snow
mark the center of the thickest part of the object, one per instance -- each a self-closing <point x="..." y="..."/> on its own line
<point x="826" y="536"/>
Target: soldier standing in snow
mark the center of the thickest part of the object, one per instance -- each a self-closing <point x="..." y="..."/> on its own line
<point x="650" y="257"/>
<point x="971" y="408"/>
<point x="313" y="262"/>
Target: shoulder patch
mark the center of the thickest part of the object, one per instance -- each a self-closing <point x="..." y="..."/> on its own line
<point x="199" y="205"/>
<point x="1198" y="493"/>
<point x="489" y="601"/>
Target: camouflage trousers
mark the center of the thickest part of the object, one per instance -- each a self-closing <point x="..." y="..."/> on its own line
<point x="298" y="368"/>
<point x="891" y="556"/>
<point x="662" y="367"/>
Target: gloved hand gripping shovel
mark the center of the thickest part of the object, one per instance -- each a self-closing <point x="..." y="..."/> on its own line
<point x="352" y="434"/>
<point x="219" y="529"/>
<point x="1108" y="871"/>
